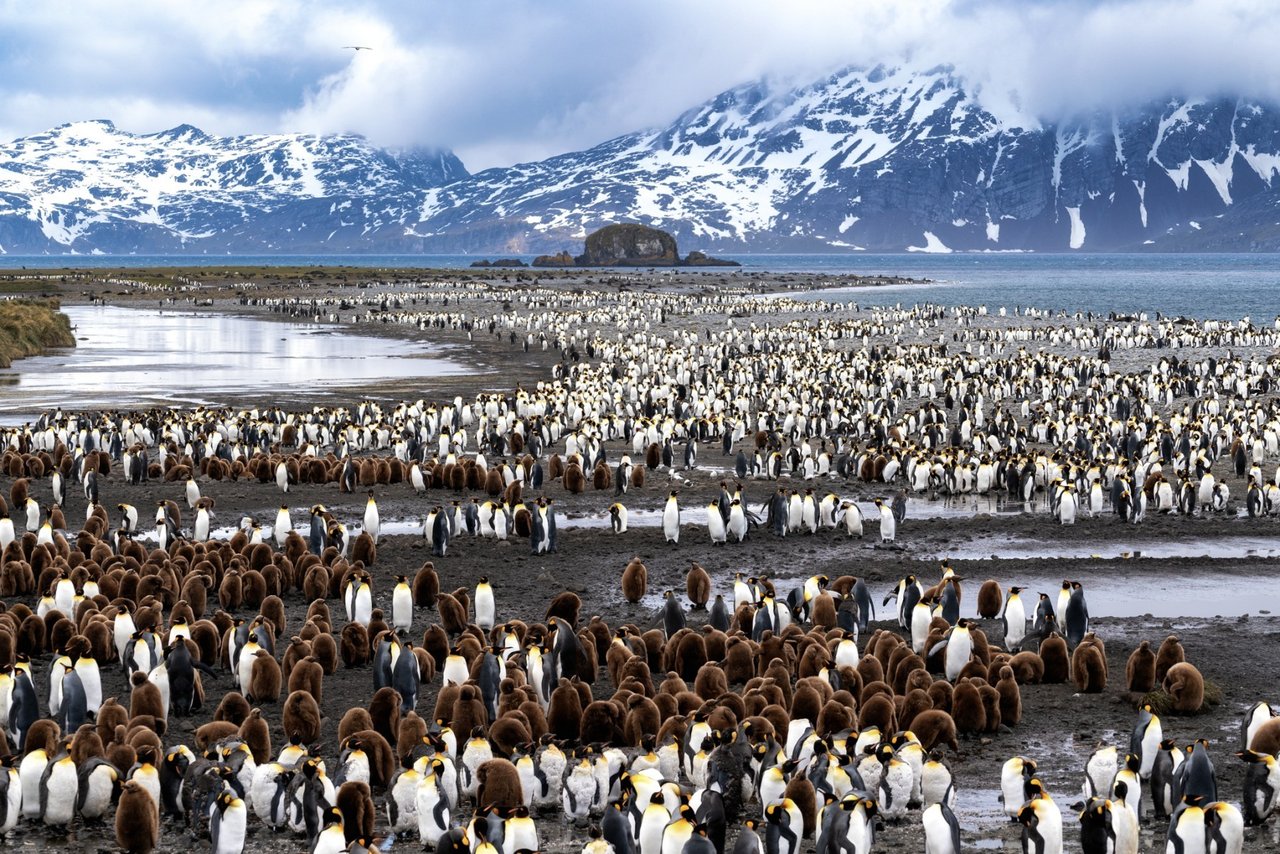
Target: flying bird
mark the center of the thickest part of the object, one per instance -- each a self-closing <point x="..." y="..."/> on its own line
<point x="355" y="47"/>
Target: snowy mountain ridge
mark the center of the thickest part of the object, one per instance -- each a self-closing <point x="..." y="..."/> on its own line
<point x="881" y="159"/>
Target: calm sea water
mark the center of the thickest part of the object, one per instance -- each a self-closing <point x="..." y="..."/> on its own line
<point x="1203" y="285"/>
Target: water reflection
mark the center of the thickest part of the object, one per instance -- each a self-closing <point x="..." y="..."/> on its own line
<point x="130" y="356"/>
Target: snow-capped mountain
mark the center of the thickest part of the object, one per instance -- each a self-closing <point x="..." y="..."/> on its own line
<point x="892" y="160"/>
<point x="89" y="186"/>
<point x="877" y="159"/>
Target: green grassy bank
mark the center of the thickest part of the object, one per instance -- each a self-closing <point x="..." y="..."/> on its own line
<point x="29" y="327"/>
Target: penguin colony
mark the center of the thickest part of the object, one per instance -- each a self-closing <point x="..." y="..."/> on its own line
<point x="774" y="724"/>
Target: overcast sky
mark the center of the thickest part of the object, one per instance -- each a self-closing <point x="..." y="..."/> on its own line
<point x="500" y="81"/>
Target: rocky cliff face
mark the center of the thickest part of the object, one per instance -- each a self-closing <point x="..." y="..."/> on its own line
<point x="866" y="159"/>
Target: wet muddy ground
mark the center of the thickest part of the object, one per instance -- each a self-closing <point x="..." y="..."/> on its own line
<point x="1232" y="639"/>
<point x="1209" y="580"/>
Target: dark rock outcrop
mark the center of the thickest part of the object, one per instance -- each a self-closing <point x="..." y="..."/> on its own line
<point x="631" y="245"/>
<point x="560" y="259"/>
<point x="501" y="262"/>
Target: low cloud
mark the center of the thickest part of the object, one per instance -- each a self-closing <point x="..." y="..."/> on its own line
<point x="502" y="81"/>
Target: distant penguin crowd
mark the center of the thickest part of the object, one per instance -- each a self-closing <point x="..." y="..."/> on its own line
<point x="750" y="715"/>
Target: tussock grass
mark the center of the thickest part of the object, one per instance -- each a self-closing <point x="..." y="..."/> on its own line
<point x="28" y="328"/>
<point x="1162" y="703"/>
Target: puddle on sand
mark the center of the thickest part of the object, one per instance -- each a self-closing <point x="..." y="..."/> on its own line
<point x="132" y="356"/>
<point x="981" y="816"/>
<point x="984" y="547"/>
<point x="1132" y="590"/>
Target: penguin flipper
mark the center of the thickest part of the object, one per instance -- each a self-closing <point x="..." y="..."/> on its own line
<point x="939" y="646"/>
<point x="215" y="826"/>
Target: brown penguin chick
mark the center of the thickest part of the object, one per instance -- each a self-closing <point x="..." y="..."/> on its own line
<point x="211" y="733"/>
<point x="272" y="610"/>
<point x="990" y="599"/>
<point x="635" y="581"/>
<point x="355" y="802"/>
<point x="293" y="653"/>
<point x="801" y="792"/>
<point x="1010" y="697"/>
<point x="382" y="759"/>
<point x="509" y="732"/>
<point x="902" y="670"/>
<point x="967" y="709"/>
<point x="599" y="723"/>
<point x="871" y="669"/>
<point x="436" y="643"/>
<point x="917" y="679"/>
<point x="879" y="711"/>
<point x="916" y="701"/>
<point x="1267" y="738"/>
<point x="974" y="668"/>
<point x="643" y="718"/>
<point x="940" y="694"/>
<point x="86" y="745"/>
<point x="1091" y="639"/>
<point x="18" y="494"/>
<point x="1140" y="670"/>
<point x="698" y="586"/>
<point x="111" y="715"/>
<point x="354" y="720"/>
<point x="499" y="785"/>
<point x="144" y="732"/>
<point x="231" y="591"/>
<point x="574" y="480"/>
<point x="822" y="611"/>
<point x="121" y="754"/>
<point x="264" y="679"/>
<point x="1088" y="669"/>
<point x="255" y="733"/>
<point x="1170" y="653"/>
<point x="137" y="819"/>
<point x="1028" y="667"/>
<point x="410" y="732"/>
<point x="806" y="703"/>
<point x="637" y="477"/>
<point x="355" y="645"/>
<point x="308" y="676"/>
<point x="446" y="699"/>
<point x="364" y="550"/>
<point x="31" y="636"/>
<point x="565" y="606"/>
<point x="716" y="642"/>
<point x="564" y="712"/>
<point x="991" y="705"/>
<point x="981" y="648"/>
<point x="737" y="665"/>
<point x="234" y="708"/>
<point x="145" y="698"/>
<point x="1185" y="686"/>
<point x="934" y="727"/>
<point x="710" y="681"/>
<point x="469" y="712"/>
<point x="1057" y="664"/>
<point x="453" y="616"/>
<point x="325" y="650"/>
<point x="384" y="712"/>
<point x="301" y="718"/>
<point x="836" y="717"/>
<point x="690" y="655"/>
<point x="426" y="586"/>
